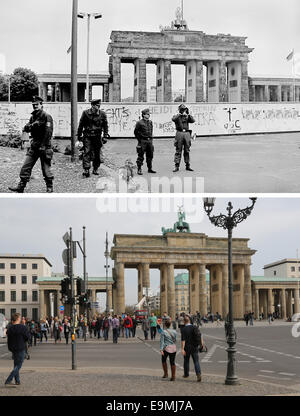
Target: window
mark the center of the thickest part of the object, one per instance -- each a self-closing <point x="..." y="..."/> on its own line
<point x="34" y="295"/>
<point x="2" y="296"/>
<point x="13" y="265"/>
<point x="24" y="312"/>
<point x="23" y="266"/>
<point x="13" y="295"/>
<point x="35" y="313"/>
<point x="2" y="311"/>
<point x="2" y="265"/>
<point x="274" y="272"/>
<point x="13" y="280"/>
<point x="292" y="269"/>
<point x="34" y="266"/>
<point x="24" y="295"/>
<point x="24" y="280"/>
<point x="12" y="311"/>
<point x="34" y="279"/>
<point x="2" y="280"/>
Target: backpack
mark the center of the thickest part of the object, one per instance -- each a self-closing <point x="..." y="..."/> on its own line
<point x="106" y="324"/>
<point x="127" y="322"/>
<point x="196" y="336"/>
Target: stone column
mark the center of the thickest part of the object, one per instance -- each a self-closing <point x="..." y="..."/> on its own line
<point x="225" y="290"/>
<point x="285" y="94"/>
<point x="114" y="297"/>
<point x="223" y="91"/>
<point x="270" y="301"/>
<point x="42" y="303"/>
<point x="296" y="301"/>
<point x="109" y="299"/>
<point x="58" y="303"/>
<point x="163" y="289"/>
<point x="283" y="304"/>
<point x="199" y="81"/>
<point x="244" y="81"/>
<point x="171" y="292"/>
<point x="105" y="93"/>
<point x="116" y="76"/>
<point x="247" y="288"/>
<point x="140" y="81"/>
<point x="196" y="270"/>
<point x="297" y="94"/>
<point x="167" y="82"/>
<point x="252" y="93"/>
<point x="120" y="292"/>
<point x="257" y="308"/>
<point x="291" y="93"/>
<point x="279" y="93"/>
<point x="265" y="303"/>
<point x="219" y="303"/>
<point x="191" y="292"/>
<point x="140" y="282"/>
<point x="290" y="304"/>
<point x="202" y="290"/>
<point x="267" y="93"/>
<point x="146" y="274"/>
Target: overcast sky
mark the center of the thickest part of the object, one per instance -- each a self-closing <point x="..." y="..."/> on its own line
<point x="37" y="33"/>
<point x="36" y="226"/>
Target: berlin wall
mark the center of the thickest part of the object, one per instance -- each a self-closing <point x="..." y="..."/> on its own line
<point x="211" y="119"/>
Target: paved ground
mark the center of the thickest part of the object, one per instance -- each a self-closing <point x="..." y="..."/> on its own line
<point x="267" y="364"/>
<point x="254" y="163"/>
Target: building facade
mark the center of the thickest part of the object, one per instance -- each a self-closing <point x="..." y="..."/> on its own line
<point x="19" y="289"/>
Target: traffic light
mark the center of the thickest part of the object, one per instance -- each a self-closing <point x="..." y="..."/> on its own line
<point x="79" y="286"/>
<point x="83" y="299"/>
<point x="66" y="289"/>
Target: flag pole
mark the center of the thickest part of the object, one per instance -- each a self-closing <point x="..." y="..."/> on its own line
<point x="294" y="81"/>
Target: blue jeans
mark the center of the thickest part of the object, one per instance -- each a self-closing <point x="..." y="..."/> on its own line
<point x="115" y="335"/>
<point x="128" y="332"/>
<point x="18" y="361"/>
<point x="186" y="364"/>
<point x="106" y="333"/>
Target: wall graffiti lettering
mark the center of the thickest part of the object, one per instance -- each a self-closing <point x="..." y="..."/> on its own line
<point x="210" y="119"/>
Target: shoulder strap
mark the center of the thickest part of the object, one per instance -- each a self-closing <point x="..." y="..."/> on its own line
<point x="173" y="339"/>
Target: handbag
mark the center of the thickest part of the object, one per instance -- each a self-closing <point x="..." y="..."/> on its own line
<point x="202" y="347"/>
<point x="171" y="348"/>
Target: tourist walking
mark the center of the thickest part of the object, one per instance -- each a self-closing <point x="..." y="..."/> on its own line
<point x="168" y="349"/>
<point x="146" y="327"/>
<point x="43" y="330"/>
<point x="127" y="325"/>
<point x="153" y="323"/>
<point x="115" y="328"/>
<point x="67" y="330"/>
<point x="17" y="336"/>
<point x="190" y="341"/>
<point x="105" y="328"/>
<point x="134" y="325"/>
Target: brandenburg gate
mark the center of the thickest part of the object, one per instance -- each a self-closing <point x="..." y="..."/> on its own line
<point x="183" y="250"/>
<point x="222" y="56"/>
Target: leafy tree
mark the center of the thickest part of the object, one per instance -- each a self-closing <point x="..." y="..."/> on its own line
<point x="24" y="84"/>
<point x="3" y="88"/>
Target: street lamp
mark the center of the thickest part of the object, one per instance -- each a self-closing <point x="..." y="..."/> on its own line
<point x="228" y="223"/>
<point x="82" y="15"/>
<point x="106" y="254"/>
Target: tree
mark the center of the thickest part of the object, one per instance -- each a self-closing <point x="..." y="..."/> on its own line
<point x="24" y="84"/>
<point x="3" y="88"/>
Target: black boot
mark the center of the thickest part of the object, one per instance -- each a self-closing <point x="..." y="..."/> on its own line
<point x="19" y="188"/>
<point x="189" y="168"/>
<point x="86" y="173"/>
<point x="49" y="189"/>
<point x="176" y="168"/>
<point x="139" y="171"/>
<point x="95" y="172"/>
<point x="150" y="170"/>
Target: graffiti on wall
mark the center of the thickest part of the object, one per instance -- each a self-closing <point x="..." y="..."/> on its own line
<point x="210" y="119"/>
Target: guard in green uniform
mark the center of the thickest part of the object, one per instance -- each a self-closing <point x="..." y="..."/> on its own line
<point x="144" y="133"/>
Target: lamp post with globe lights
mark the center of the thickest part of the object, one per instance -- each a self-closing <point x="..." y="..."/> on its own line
<point x="228" y="222"/>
